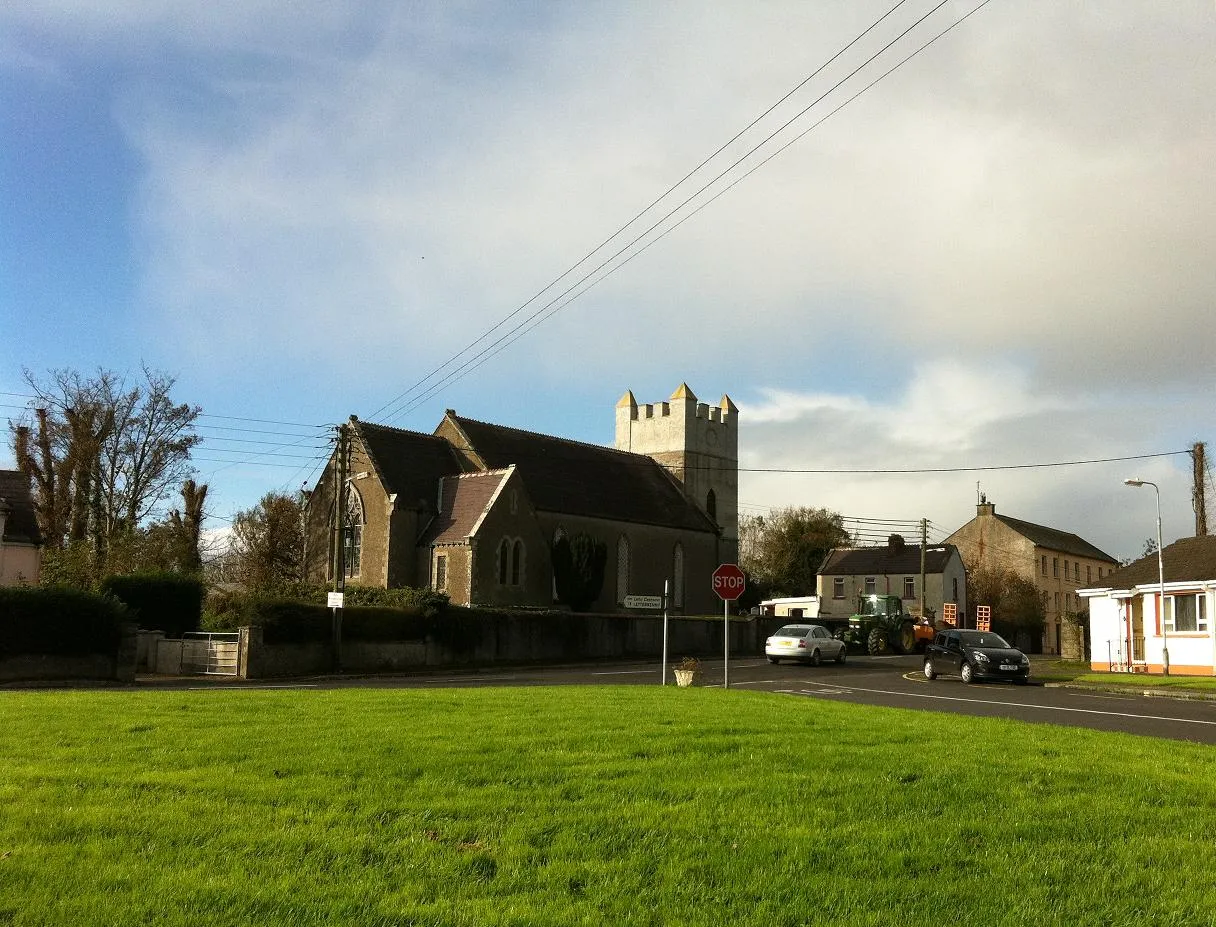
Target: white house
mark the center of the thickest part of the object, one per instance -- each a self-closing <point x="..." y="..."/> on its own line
<point x="20" y="539"/>
<point x="803" y="606"/>
<point x="1129" y="632"/>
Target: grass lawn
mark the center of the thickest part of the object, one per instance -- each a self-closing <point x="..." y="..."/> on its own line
<point x="562" y="806"/>
<point x="1144" y="681"/>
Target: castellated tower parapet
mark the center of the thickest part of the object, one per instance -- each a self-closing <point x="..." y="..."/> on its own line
<point x="698" y="444"/>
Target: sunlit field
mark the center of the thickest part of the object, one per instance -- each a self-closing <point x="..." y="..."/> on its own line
<point x="558" y="806"/>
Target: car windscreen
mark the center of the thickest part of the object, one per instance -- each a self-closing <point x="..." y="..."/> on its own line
<point x="983" y="639"/>
<point x="793" y="630"/>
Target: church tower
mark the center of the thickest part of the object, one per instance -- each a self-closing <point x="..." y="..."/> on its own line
<point x="699" y="446"/>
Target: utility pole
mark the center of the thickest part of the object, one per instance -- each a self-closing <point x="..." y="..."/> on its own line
<point x="343" y="453"/>
<point x="924" y="540"/>
<point x="1199" y="471"/>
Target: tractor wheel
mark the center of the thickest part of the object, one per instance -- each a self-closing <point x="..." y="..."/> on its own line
<point x="876" y="643"/>
<point x="905" y="641"/>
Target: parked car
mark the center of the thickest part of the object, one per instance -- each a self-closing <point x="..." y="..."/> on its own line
<point x="805" y="642"/>
<point x="975" y="655"/>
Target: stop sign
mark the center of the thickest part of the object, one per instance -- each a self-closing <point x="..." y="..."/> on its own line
<point x="729" y="582"/>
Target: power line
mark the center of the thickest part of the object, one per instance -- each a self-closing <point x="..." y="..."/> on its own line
<point x="476" y="361"/>
<point x="971" y="469"/>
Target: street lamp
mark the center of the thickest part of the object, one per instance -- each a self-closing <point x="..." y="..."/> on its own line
<point x="1165" y="637"/>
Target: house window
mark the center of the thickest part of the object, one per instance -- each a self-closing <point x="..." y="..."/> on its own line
<point x="838" y="587"/>
<point x="1057" y="601"/>
<point x="517" y="559"/>
<point x="1088" y="573"/>
<point x="711" y="505"/>
<point x="1076" y="571"/>
<point x="955" y="590"/>
<point x="441" y="572"/>
<point x="909" y="587"/>
<point x="352" y="554"/>
<point x="1099" y="572"/>
<point x="677" y="575"/>
<point x="622" y="568"/>
<point x="1055" y="567"/>
<point x="1044" y="564"/>
<point x="1186" y="613"/>
<point x="871" y="585"/>
<point x="1066" y="569"/>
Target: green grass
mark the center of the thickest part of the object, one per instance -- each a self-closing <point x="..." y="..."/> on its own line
<point x="1144" y="681"/>
<point x="563" y="806"/>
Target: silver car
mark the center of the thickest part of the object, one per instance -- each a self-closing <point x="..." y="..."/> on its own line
<point x="808" y="643"/>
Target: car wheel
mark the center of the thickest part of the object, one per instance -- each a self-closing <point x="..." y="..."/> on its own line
<point x="929" y="674"/>
<point x="815" y="659"/>
<point x="844" y="652"/>
<point x="967" y="672"/>
<point x="773" y="660"/>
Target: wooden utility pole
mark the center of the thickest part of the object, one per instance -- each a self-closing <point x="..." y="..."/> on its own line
<point x="1199" y="472"/>
<point x="924" y="540"/>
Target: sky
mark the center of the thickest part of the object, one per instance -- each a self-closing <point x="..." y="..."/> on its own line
<point x="999" y="255"/>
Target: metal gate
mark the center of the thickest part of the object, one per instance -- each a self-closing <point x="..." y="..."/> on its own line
<point x="209" y="653"/>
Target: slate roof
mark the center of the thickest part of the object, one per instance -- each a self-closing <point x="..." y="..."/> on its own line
<point x="879" y="561"/>
<point x="21" y="525"/>
<point x="1054" y="539"/>
<point x="465" y="500"/>
<point x="573" y="478"/>
<point x="408" y="463"/>
<point x="1183" y="561"/>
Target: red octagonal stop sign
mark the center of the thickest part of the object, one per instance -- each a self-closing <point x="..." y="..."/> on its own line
<point x="729" y="582"/>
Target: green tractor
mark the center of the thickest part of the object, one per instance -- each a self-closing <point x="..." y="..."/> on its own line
<point x="881" y="625"/>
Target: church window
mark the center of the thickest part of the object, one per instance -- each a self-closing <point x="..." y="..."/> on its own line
<point x="677" y="576"/>
<point x="622" y="568"/>
<point x="711" y="505"/>
<point x="352" y="553"/>
<point x="441" y="572"/>
<point x="504" y="555"/>
<point x="517" y="557"/>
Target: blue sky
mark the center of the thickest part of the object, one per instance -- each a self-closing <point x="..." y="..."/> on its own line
<point x="1000" y="255"/>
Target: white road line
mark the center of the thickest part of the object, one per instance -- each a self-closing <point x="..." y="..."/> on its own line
<point x="751" y="682"/>
<point x="645" y="672"/>
<point x="229" y="688"/>
<point x="980" y="701"/>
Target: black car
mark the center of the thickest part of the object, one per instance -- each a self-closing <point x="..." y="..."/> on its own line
<point x="975" y="655"/>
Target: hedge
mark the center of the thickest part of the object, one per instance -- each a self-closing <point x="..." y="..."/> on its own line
<point x="60" y="621"/>
<point x="169" y="602"/>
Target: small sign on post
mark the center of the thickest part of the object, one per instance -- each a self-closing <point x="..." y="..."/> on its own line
<point x="983" y="617"/>
<point x="650" y="602"/>
<point x="335" y="600"/>
<point x="950" y="614"/>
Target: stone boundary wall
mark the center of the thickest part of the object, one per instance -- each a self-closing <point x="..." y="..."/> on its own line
<point x="486" y="640"/>
<point x="43" y="667"/>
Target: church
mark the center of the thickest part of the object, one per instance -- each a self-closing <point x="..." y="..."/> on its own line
<point x="473" y="509"/>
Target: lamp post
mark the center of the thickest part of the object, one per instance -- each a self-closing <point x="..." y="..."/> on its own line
<point x="1165" y="637"/>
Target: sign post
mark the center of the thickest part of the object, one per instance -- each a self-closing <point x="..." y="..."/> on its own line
<point x="729" y="583"/>
<point x="663" y="674"/>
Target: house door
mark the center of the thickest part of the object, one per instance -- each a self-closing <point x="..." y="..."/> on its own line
<point x="1136" y="645"/>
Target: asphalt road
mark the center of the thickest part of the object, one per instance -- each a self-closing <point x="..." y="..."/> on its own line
<point x="888" y="681"/>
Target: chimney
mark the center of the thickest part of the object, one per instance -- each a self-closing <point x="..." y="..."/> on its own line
<point x="985" y="507"/>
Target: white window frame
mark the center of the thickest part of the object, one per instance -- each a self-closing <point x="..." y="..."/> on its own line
<point x="1201" y="612"/>
<point x="837" y="587"/>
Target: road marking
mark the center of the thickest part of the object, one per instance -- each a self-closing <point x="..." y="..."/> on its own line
<point x="752" y="682"/>
<point x="645" y="672"/>
<point x="228" y="687"/>
<point x="980" y="701"/>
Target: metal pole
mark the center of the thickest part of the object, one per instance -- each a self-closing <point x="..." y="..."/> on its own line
<point x="663" y="676"/>
<point x="1165" y="636"/>
<point x="725" y="643"/>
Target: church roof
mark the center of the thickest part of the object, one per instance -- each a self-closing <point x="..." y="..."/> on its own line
<point x="408" y="463"/>
<point x="464" y="501"/>
<point x="569" y="477"/>
<point x="21" y="523"/>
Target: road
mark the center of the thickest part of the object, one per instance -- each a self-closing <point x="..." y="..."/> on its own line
<point x="888" y="681"/>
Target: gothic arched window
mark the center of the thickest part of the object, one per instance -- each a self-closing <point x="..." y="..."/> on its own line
<point x="352" y="554"/>
<point x="677" y="576"/>
<point x="711" y="505"/>
<point x="504" y="555"/>
<point x="622" y="568"/>
<point x="517" y="559"/>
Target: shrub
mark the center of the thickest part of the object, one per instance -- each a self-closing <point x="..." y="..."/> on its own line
<point x="169" y="602"/>
<point x="58" y="620"/>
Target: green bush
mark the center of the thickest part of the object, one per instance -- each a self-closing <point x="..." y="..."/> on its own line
<point x="169" y="602"/>
<point x="58" y="620"/>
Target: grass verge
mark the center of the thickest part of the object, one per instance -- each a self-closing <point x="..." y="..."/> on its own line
<point x="1143" y="681"/>
<point x="558" y="806"/>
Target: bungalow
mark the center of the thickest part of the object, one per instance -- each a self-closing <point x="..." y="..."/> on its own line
<point x="20" y="539"/>
<point x="1130" y="631"/>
